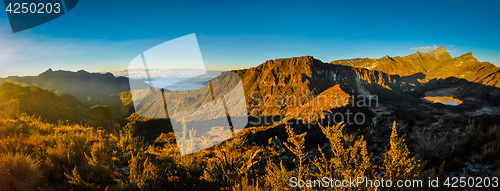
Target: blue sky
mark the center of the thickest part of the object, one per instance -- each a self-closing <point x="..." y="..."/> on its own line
<point x="103" y="36"/>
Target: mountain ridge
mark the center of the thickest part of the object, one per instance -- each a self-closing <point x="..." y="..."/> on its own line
<point x="88" y="88"/>
<point x="434" y="64"/>
<point x="403" y="66"/>
<point x="296" y="76"/>
<point x="51" y="107"/>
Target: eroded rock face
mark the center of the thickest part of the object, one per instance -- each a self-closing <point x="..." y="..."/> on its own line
<point x="469" y="68"/>
<point x="434" y="64"/>
<point x="267" y="85"/>
<point x="419" y="62"/>
<point x="397" y="96"/>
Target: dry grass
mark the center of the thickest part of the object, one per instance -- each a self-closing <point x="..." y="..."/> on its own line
<point x="87" y="158"/>
<point x="19" y="172"/>
<point x="58" y="150"/>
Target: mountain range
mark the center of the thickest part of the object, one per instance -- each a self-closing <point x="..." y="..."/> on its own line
<point x="52" y="108"/>
<point x="434" y="64"/>
<point x="289" y="101"/>
<point x="395" y="83"/>
<point x="88" y="88"/>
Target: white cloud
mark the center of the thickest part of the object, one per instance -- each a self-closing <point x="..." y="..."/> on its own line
<point x="432" y="48"/>
<point x="451" y="51"/>
<point x="424" y="48"/>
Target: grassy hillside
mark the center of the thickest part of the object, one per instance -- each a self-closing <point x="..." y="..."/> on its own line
<point x="88" y="88"/>
<point x="51" y="107"/>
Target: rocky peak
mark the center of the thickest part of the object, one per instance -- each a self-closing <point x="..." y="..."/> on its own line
<point x="388" y="57"/>
<point x="292" y="60"/>
<point x="47" y="72"/>
<point x="82" y="72"/>
<point x="300" y="64"/>
<point x="440" y="49"/>
<point x="416" y="55"/>
<point x="467" y="56"/>
<point x="439" y="53"/>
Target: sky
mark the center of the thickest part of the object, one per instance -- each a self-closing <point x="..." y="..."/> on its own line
<point x="102" y="36"/>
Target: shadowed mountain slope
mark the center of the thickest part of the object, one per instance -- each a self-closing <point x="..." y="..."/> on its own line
<point x="88" y="88"/>
<point x="299" y="79"/>
<point x="52" y="108"/>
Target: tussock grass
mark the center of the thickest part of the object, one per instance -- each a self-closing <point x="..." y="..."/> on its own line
<point x="55" y="150"/>
<point x="19" y="172"/>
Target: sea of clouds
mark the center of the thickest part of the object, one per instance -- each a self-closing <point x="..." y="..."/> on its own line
<point x="171" y="79"/>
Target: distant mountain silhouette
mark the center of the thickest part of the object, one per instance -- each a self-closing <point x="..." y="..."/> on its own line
<point x="88" y="88"/>
<point x="290" y="85"/>
<point x="51" y="107"/>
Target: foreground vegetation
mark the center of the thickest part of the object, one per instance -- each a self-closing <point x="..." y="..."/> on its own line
<point x="63" y="156"/>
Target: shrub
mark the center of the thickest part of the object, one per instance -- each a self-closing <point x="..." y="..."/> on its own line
<point x="398" y="164"/>
<point x="344" y="163"/>
<point x="427" y="144"/>
<point x="278" y="176"/>
<point x="87" y="158"/>
<point x="143" y="174"/>
<point x="58" y="149"/>
<point x="347" y="158"/>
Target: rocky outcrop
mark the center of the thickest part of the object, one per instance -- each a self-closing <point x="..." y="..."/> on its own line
<point x="434" y="64"/>
<point x="284" y="85"/>
<point x="419" y="62"/>
<point x="469" y="68"/>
